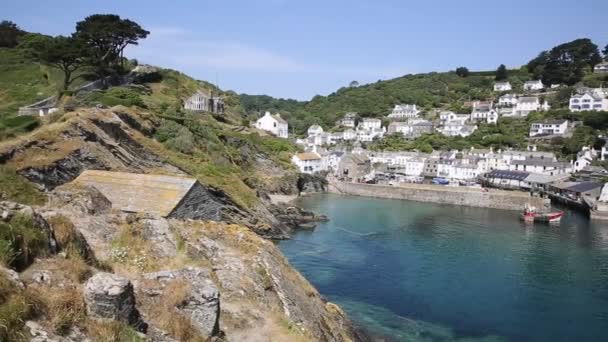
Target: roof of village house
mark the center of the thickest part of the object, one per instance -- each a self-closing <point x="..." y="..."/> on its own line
<point x="508" y="96"/>
<point x="133" y="192"/>
<point x="502" y="82"/>
<point x="506" y="174"/>
<point x="308" y="156"/>
<point x="541" y="162"/>
<point x="551" y="122"/>
<point x="530" y="99"/>
<point x="533" y="82"/>
<point x="278" y="117"/>
<point x="371" y="120"/>
<point x="578" y="186"/>
<point x="540" y="178"/>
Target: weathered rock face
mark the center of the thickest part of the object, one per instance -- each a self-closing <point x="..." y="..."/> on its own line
<point x="109" y="296"/>
<point x="83" y="199"/>
<point x="311" y="183"/>
<point x="201" y="304"/>
<point x="295" y="217"/>
<point x="8" y="210"/>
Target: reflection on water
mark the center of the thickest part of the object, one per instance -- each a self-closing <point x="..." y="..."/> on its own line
<point x="420" y="271"/>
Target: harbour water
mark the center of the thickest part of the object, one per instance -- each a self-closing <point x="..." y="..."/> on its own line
<point x="413" y="271"/>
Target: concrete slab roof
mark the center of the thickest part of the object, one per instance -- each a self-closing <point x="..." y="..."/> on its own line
<point x="133" y="192"/>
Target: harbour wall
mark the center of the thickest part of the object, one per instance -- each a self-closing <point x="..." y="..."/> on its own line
<point x="496" y="199"/>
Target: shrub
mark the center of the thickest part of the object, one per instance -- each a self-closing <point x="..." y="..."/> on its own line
<point x="16" y="188"/>
<point x="21" y="242"/>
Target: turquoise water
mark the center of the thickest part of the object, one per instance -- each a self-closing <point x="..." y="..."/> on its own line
<point x="420" y="271"/>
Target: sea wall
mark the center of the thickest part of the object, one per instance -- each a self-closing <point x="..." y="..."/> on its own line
<point x="497" y="199"/>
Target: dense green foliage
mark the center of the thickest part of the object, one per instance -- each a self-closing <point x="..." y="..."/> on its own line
<point x="462" y="71"/>
<point x="565" y="63"/>
<point x="501" y="73"/>
<point x="10" y="34"/>
<point x="115" y="96"/>
<point x="16" y="188"/>
<point x="104" y="38"/>
<point x="428" y="91"/>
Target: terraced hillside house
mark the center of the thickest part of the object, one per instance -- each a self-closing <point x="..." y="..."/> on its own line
<point x="550" y="127"/>
<point x="349" y="120"/>
<point x="601" y="68"/>
<point x="502" y="86"/>
<point x="204" y="102"/>
<point x="535" y="85"/>
<point x="308" y="162"/>
<point x="404" y="111"/>
<point x="274" y="124"/>
<point x="484" y="111"/>
<point x="166" y="196"/>
<point x="589" y="100"/>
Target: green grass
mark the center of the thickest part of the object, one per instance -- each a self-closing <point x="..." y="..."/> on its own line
<point x="15" y="188"/>
<point x="21" y="242"/>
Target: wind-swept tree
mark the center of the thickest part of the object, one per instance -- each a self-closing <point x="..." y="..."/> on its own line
<point x="605" y="52"/>
<point x="9" y="34"/>
<point x="566" y="62"/>
<point x="501" y="73"/>
<point x="462" y="71"/>
<point x="66" y="54"/>
<point x="106" y="36"/>
<point x="353" y="84"/>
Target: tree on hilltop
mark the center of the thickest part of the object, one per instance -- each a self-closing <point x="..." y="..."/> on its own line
<point x="64" y="53"/>
<point x="106" y="36"/>
<point x="501" y="73"/>
<point x="353" y="84"/>
<point x="565" y="63"/>
<point x="10" y="34"/>
<point x="605" y="52"/>
<point x="462" y="71"/>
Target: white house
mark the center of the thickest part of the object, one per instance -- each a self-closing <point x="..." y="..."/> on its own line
<point x="594" y="99"/>
<point x="502" y="86"/>
<point x="457" y="128"/>
<point x="542" y="166"/>
<point x="404" y="111"/>
<point x="414" y="166"/>
<point x="332" y="160"/>
<point x="203" y="102"/>
<point x="399" y="127"/>
<point x="369" y="123"/>
<point x="601" y="68"/>
<point x="534" y="85"/>
<point x="315" y="130"/>
<point x="448" y="116"/>
<point x="273" y="124"/>
<point x="552" y="127"/>
<point x="527" y="104"/>
<point x="507" y="100"/>
<point x="349" y="134"/>
<point x="308" y="162"/>
<point x="484" y="111"/>
<point x="349" y="120"/>
<point x="584" y="158"/>
<point x="367" y="135"/>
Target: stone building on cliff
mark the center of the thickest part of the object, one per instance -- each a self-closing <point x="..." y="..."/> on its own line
<point x="165" y="196"/>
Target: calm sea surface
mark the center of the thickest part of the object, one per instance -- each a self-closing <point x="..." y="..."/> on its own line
<point x="429" y="272"/>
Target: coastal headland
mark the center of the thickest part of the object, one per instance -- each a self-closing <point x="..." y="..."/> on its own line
<point x="472" y="197"/>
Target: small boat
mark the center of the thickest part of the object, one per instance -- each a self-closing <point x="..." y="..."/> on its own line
<point x="531" y="214"/>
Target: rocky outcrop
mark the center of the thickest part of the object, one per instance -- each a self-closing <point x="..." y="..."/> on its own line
<point x="311" y="183"/>
<point x="80" y="198"/>
<point x="295" y="217"/>
<point x="110" y="297"/>
<point x="202" y="301"/>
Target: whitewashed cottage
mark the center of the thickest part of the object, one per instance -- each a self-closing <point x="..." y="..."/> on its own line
<point x="502" y="86"/>
<point x="550" y="127"/>
<point x="404" y="111"/>
<point x="204" y="102"/>
<point x="589" y="100"/>
<point x="534" y="85"/>
<point x="273" y="124"/>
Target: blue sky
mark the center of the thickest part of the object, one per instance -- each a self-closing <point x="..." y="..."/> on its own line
<point x="298" y="49"/>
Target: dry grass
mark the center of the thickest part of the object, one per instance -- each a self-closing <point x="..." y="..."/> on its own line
<point x="16" y="307"/>
<point x="111" y="331"/>
<point x="75" y="268"/>
<point x="164" y="313"/>
<point x="63" y="307"/>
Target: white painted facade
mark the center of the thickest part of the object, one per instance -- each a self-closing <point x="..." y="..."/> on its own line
<point x="534" y="85"/>
<point x="308" y="162"/>
<point x="273" y="124"/>
<point x="404" y="111"/>
<point x="502" y="86"/>
<point x="556" y="127"/>
<point x="593" y="100"/>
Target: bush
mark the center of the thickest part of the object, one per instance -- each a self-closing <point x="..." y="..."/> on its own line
<point x="116" y="96"/>
<point x="21" y="241"/>
<point x="16" y="188"/>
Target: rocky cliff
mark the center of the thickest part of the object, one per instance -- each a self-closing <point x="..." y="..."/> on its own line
<point x="88" y="271"/>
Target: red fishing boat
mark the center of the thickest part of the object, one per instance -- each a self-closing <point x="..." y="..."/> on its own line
<point x="531" y="214"/>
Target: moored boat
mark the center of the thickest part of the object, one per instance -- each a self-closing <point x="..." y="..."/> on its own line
<point x="531" y="214"/>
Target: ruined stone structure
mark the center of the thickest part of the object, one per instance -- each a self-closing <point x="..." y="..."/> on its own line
<point x="203" y="102"/>
<point x="166" y="196"/>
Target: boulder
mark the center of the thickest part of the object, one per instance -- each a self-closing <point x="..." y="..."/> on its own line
<point x="110" y="297"/>
<point x="12" y="277"/>
<point x="157" y="230"/>
<point x="80" y="198"/>
<point x="202" y="303"/>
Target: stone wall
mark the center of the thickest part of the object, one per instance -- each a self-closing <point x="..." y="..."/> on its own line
<point x="199" y="203"/>
<point x="497" y="199"/>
